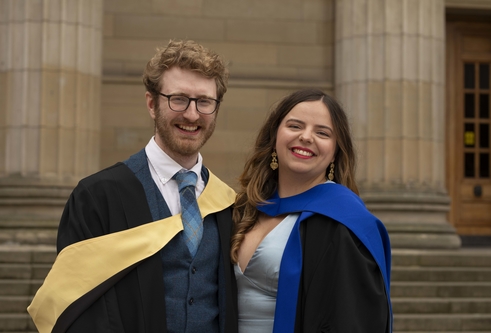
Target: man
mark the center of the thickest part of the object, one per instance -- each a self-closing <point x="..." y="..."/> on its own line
<point x="116" y="271"/>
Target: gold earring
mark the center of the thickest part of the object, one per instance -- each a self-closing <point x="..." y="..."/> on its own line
<point x="274" y="162"/>
<point x="331" y="172"/>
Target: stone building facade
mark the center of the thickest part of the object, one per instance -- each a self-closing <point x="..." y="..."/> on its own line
<point x="411" y="75"/>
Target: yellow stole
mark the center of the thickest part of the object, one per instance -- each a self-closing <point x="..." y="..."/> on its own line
<point x="84" y="265"/>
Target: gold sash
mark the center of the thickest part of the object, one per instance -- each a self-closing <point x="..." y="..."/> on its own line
<point x="82" y="266"/>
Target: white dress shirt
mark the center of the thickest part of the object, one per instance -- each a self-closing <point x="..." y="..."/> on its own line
<point x="162" y="168"/>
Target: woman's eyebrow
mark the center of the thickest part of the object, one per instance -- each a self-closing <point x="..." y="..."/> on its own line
<point x="303" y="123"/>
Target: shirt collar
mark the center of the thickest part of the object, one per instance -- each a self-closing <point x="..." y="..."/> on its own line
<point x="164" y="166"/>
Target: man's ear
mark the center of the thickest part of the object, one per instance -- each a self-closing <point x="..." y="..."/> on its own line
<point x="150" y="104"/>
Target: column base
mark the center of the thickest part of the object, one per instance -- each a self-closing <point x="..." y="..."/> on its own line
<point x="423" y="236"/>
<point x="414" y="220"/>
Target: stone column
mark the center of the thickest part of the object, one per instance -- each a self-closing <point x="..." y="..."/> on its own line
<point x="390" y="78"/>
<point x="50" y="79"/>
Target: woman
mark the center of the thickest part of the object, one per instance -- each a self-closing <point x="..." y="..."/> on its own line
<point x="308" y="255"/>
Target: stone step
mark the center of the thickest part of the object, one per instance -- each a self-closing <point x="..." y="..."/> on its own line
<point x="14" y="304"/>
<point x="10" y="287"/>
<point x="400" y="257"/>
<point x="442" y="323"/>
<point x="24" y="271"/>
<point x="441" y="273"/>
<point x="10" y="322"/>
<point x="401" y="305"/>
<point x="15" y="271"/>
<point x="440" y="289"/>
<point x="463" y="257"/>
<point x="39" y="254"/>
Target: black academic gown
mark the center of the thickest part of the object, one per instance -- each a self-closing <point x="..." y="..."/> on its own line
<point x="113" y="200"/>
<point x="341" y="286"/>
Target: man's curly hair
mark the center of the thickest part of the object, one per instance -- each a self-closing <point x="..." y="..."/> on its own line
<point x="186" y="54"/>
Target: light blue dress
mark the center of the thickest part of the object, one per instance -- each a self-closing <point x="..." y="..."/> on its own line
<point x="258" y="284"/>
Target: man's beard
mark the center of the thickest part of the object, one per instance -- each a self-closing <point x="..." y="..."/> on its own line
<point x="179" y="146"/>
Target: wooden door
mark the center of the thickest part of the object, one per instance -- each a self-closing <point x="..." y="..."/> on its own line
<point x="468" y="126"/>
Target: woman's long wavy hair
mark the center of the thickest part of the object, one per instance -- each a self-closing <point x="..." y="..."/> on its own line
<point x="258" y="181"/>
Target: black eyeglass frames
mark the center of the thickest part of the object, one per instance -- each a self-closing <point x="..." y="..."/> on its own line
<point x="180" y="103"/>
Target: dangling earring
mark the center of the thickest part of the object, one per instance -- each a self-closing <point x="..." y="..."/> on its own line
<point x="274" y="162"/>
<point x="330" y="176"/>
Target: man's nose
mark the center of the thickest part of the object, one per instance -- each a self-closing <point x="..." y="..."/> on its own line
<point x="191" y="112"/>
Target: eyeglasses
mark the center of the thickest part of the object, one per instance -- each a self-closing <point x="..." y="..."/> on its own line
<point x="180" y="103"/>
